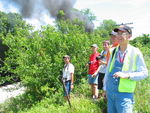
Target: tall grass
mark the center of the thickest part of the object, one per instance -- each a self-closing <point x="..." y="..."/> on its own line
<point x="80" y="100"/>
<point x="142" y="94"/>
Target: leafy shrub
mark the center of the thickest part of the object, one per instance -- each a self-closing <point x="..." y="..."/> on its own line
<point x="142" y="42"/>
<point x="142" y="94"/>
<point x="37" y="58"/>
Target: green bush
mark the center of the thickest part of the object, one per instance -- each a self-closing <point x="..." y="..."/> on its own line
<point x="9" y="24"/>
<point x="37" y="58"/>
<point x="142" y="42"/>
<point x="142" y="94"/>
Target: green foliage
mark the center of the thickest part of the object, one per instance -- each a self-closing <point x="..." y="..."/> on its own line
<point x="79" y="105"/>
<point x="105" y="28"/>
<point x="142" y="94"/>
<point x="81" y="102"/>
<point x="89" y="14"/>
<point x="9" y="25"/>
<point x="9" y="22"/>
<point x="83" y="89"/>
<point x="142" y="42"/>
<point x="61" y="15"/>
<point x="36" y="58"/>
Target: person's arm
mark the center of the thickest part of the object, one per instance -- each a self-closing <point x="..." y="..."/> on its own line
<point x="142" y="71"/>
<point x="108" y="56"/>
<point x="72" y="75"/>
<point x="95" y="74"/>
<point x="103" y="62"/>
<point x="72" y="78"/>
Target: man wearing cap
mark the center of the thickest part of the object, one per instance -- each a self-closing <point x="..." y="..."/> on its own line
<point x="125" y="67"/>
<point x="114" y="41"/>
<point x="68" y="74"/>
<point x="93" y="66"/>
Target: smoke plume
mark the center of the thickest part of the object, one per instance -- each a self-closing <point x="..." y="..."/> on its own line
<point x="36" y="8"/>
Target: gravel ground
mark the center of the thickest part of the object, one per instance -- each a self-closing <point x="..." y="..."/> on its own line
<point x="10" y="91"/>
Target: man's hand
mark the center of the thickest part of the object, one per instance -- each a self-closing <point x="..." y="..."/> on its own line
<point x="121" y="75"/>
<point x="72" y="86"/>
<point x="104" y="95"/>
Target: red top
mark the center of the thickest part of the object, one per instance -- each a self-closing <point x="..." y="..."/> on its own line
<point x="94" y="64"/>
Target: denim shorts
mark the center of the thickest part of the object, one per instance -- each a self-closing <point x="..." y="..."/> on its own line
<point x="93" y="80"/>
<point x="68" y="87"/>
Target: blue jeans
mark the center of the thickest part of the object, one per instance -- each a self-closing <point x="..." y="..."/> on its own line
<point x="68" y="87"/>
<point x="120" y="103"/>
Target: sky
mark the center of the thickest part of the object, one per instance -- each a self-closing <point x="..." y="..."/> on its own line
<point x="121" y="11"/>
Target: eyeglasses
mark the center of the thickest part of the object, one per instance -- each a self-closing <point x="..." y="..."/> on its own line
<point x="121" y="34"/>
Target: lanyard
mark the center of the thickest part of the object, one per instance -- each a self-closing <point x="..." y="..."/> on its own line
<point x="121" y="59"/>
<point x="66" y="66"/>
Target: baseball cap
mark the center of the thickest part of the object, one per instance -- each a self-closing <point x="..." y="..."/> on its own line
<point x="66" y="56"/>
<point x="123" y="28"/>
<point x="113" y="33"/>
<point x="94" y="45"/>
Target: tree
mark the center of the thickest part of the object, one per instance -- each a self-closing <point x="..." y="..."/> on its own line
<point x="89" y="14"/>
<point x="143" y="43"/>
<point x="105" y="28"/>
<point x="10" y="23"/>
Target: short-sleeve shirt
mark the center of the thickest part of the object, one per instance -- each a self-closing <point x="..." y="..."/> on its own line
<point x="67" y="70"/>
<point x="94" y="64"/>
<point x="103" y="66"/>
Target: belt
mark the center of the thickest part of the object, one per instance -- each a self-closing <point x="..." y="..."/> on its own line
<point x="65" y="79"/>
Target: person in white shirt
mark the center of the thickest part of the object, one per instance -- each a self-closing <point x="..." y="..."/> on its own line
<point x="68" y="75"/>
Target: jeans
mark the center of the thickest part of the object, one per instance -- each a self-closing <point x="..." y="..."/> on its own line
<point x="68" y="87"/>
